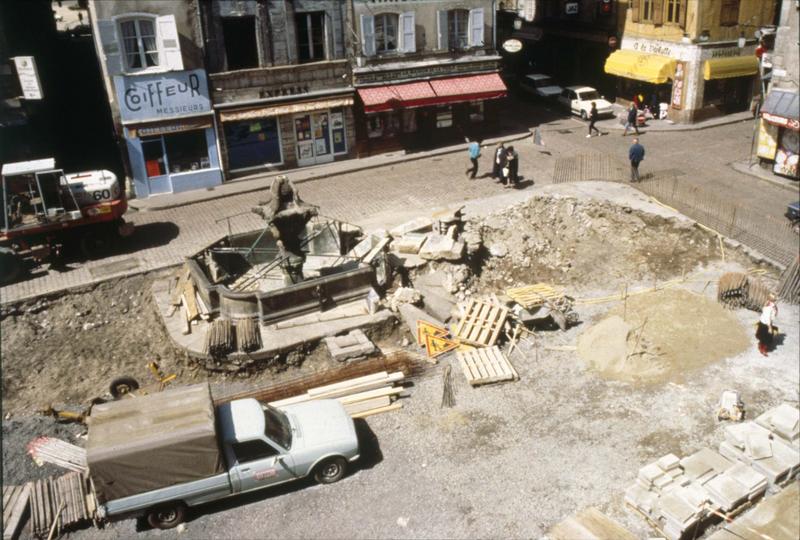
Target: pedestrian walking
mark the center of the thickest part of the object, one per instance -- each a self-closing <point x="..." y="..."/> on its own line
<point x="636" y="156"/>
<point x="474" y="149"/>
<point x="592" y="120"/>
<point x="512" y="165"/>
<point x="633" y="112"/>
<point x="765" y="329"/>
<point x="499" y="161"/>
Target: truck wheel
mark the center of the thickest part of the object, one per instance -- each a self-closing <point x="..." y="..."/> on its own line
<point x="95" y="243"/>
<point x="10" y="265"/>
<point x="167" y="516"/>
<point x="123" y="385"/>
<point x="331" y="470"/>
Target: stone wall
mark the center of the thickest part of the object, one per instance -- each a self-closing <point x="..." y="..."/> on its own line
<point x="785" y="56"/>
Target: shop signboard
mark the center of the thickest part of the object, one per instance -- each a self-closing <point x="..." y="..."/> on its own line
<point x="571" y="8"/>
<point x="767" y="140"/>
<point x="678" y="82"/>
<point x="162" y="95"/>
<point x="28" y="77"/>
<point x="512" y="45"/>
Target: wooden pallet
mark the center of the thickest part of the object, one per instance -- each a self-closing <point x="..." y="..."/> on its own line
<point x="535" y="295"/>
<point x="484" y="366"/>
<point x="15" y="509"/>
<point x="64" y="500"/>
<point x="481" y="323"/>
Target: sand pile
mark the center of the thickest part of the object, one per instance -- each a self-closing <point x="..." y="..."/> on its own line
<point x="665" y="335"/>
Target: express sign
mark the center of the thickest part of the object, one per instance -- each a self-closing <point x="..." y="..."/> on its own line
<point x="163" y="95"/>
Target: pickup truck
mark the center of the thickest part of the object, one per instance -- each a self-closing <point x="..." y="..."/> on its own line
<point x="180" y="451"/>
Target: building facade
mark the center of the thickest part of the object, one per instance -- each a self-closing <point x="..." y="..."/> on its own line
<point x="696" y="57"/>
<point x="779" y="123"/>
<point x="425" y="72"/>
<point x="280" y="82"/>
<point x="151" y="57"/>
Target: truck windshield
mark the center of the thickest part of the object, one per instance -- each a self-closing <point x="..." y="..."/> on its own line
<point x="278" y="427"/>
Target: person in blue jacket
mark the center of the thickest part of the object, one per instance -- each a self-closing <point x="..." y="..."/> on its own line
<point x="636" y="156"/>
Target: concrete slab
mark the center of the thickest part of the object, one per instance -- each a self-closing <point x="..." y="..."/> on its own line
<point x="669" y="462"/>
<point x="675" y="508"/>
<point x="783" y="420"/>
<point x="650" y="473"/>
<point x="758" y="445"/>
<point x="726" y="492"/>
<point x="409" y="243"/>
<point x="439" y="247"/>
<point x="776" y="517"/>
<point x="420" y="224"/>
<point x="748" y="477"/>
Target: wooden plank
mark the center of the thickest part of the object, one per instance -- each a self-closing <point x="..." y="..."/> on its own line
<point x="186" y="328"/>
<point x="369" y="394"/>
<point x="188" y="299"/>
<point x="201" y="305"/>
<point x="488" y="328"/>
<point x="368" y="405"/>
<point x="478" y="322"/>
<point x="488" y="364"/>
<point x="18" y="512"/>
<point x="175" y="295"/>
<point x="393" y="407"/>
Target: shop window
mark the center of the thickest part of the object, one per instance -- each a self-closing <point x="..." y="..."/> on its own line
<point x="409" y="121"/>
<point x="386" y="32"/>
<point x="310" y="36"/>
<point x="374" y="126"/>
<point x="153" y="152"/>
<point x="338" y="131"/>
<point x="444" y="117"/>
<point x="458" y="28"/>
<point x="729" y="13"/>
<point x="674" y="11"/>
<point x="139" y="43"/>
<point x="241" y="47"/>
<point x="253" y="143"/>
<point x="476" y="111"/>
<point x="187" y="151"/>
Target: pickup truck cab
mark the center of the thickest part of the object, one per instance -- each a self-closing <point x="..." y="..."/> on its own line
<point x="262" y="446"/>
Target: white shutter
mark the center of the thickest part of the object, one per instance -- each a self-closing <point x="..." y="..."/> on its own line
<point x="107" y="30"/>
<point x="368" y="35"/>
<point x="169" y="43"/>
<point x="476" y="27"/>
<point x="441" y="27"/>
<point x="408" y="32"/>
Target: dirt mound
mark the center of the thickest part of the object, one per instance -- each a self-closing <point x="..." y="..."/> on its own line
<point x="665" y="335"/>
<point x="586" y="243"/>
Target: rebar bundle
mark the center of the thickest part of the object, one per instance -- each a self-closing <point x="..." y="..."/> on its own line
<point x="448" y="394"/>
<point x="248" y="335"/>
<point x="789" y="285"/>
<point x="220" y="338"/>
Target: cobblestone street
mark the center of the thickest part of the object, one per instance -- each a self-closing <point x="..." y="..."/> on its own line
<point x="384" y="196"/>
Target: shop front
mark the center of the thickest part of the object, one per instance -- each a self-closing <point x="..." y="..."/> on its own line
<point x="426" y="113"/>
<point x="288" y="135"/>
<point x="779" y="133"/>
<point x="169" y="132"/>
<point x="689" y="81"/>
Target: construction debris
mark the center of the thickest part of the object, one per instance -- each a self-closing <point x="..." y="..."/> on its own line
<point x="15" y="510"/>
<point x="531" y="296"/>
<point x="481" y="323"/>
<point x="51" y="450"/>
<point x="448" y="392"/>
<point x="731" y="406"/>
<point x="352" y="345"/>
<point x="736" y="290"/>
<point x="62" y="503"/>
<point x="219" y="338"/>
<point x="248" y="335"/>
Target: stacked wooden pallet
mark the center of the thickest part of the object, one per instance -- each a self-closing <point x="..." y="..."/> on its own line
<point x="486" y="365"/>
<point x="535" y="295"/>
<point x="60" y="503"/>
<point x="15" y="509"/>
<point x="362" y="396"/>
<point x="51" y="450"/>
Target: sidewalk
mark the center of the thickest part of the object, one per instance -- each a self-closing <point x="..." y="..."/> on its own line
<point x="262" y="181"/>
<point x="668" y="125"/>
<point x="757" y="171"/>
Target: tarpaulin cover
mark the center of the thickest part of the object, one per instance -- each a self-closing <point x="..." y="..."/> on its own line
<point x="149" y="442"/>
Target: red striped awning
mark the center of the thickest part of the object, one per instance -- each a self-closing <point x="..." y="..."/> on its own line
<point x="435" y="92"/>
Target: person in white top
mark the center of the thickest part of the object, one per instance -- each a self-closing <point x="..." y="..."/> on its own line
<point x="765" y="330"/>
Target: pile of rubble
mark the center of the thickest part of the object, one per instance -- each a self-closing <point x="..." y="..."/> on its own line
<point x="679" y="496"/>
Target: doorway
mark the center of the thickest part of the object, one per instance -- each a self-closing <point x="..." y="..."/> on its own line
<point x="313" y="134"/>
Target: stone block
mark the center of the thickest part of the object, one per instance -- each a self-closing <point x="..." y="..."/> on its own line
<point x="421" y="224"/>
<point x="726" y="492"/>
<point x="669" y="462"/>
<point x="438" y="248"/>
<point x="353" y="345"/>
<point x="649" y="473"/>
<point x="409" y="243"/>
<point x="784" y="421"/>
<point x="758" y="446"/>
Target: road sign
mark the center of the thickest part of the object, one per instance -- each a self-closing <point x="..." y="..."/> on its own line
<point x="28" y="77"/>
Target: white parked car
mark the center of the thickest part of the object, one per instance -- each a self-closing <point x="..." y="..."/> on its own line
<point x="540" y="85"/>
<point x="578" y="99"/>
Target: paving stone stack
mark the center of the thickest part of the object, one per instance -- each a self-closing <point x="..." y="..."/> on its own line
<point x="680" y="496"/>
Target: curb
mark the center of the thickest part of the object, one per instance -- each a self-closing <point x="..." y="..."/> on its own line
<point x="322" y="174"/>
<point x="620" y="127"/>
<point x="745" y="169"/>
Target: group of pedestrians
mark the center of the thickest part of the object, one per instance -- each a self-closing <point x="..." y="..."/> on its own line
<point x="505" y="163"/>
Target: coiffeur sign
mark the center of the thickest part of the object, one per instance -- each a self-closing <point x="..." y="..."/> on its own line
<point x="163" y="95"/>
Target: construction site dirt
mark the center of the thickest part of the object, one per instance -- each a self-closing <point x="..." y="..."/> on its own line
<point x="508" y="460"/>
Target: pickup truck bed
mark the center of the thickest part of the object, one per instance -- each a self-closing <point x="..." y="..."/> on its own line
<point x="191" y="493"/>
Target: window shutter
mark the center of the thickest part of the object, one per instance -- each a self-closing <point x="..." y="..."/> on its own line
<point x="441" y="27"/>
<point x="635" y="10"/>
<point x="368" y="35"/>
<point x="408" y="32"/>
<point x="476" y="27"/>
<point x="682" y="13"/>
<point x="658" y="11"/>
<point x="169" y="44"/>
<point x="107" y="30"/>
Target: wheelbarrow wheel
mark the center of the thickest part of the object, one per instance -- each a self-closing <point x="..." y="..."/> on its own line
<point x="123" y="385"/>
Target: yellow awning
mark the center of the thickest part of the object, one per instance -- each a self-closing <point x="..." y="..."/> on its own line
<point x="725" y="68"/>
<point x="642" y="67"/>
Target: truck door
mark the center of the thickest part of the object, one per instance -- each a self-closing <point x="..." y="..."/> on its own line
<point x="258" y="465"/>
